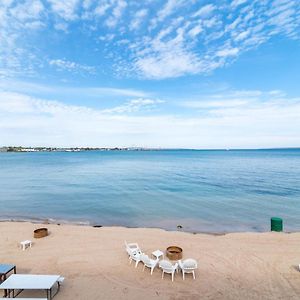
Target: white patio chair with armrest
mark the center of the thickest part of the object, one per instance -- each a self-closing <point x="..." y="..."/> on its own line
<point x="168" y="268"/>
<point x="132" y="248"/>
<point x="148" y="262"/>
<point x="136" y="256"/>
<point x="134" y="252"/>
<point x="188" y="266"/>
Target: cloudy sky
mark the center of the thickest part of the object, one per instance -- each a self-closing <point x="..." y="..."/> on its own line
<point x="152" y="73"/>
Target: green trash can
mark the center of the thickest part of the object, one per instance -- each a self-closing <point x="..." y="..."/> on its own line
<point x="276" y="224"/>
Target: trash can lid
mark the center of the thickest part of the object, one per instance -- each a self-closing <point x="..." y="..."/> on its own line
<point x="276" y="219"/>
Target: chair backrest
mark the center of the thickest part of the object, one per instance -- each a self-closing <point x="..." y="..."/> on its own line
<point x="145" y="259"/>
<point x="166" y="265"/>
<point x="134" y="255"/>
<point x="134" y="249"/>
<point x="129" y="252"/>
<point x="189" y="264"/>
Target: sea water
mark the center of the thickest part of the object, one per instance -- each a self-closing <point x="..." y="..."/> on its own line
<point x="202" y="191"/>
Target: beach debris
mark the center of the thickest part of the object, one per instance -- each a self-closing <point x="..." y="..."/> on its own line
<point x="98" y="226"/>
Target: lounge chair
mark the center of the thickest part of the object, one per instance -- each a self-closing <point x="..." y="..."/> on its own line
<point x="148" y="262"/>
<point x="168" y="268"/>
<point x="188" y="266"/>
<point x="134" y="252"/>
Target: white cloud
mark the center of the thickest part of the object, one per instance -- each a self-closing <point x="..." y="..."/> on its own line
<point x="165" y="56"/>
<point x="232" y="99"/>
<point x="108" y="37"/>
<point x="154" y="56"/>
<point x="277" y="93"/>
<point x="34" y="25"/>
<point x="62" y="91"/>
<point x="86" y="4"/>
<point x="228" y="52"/>
<point x="117" y="12"/>
<point x="202" y="37"/>
<point x="166" y="11"/>
<point x="138" y="19"/>
<point x="205" y="11"/>
<point x="71" y="66"/>
<point x="195" y="31"/>
<point x="102" y="7"/>
<point x="242" y="35"/>
<point x="273" y="122"/>
<point x="132" y="106"/>
<point x="30" y="9"/>
<point x="215" y="104"/>
<point x="61" y="26"/>
<point x="236" y="3"/>
<point x="167" y="65"/>
<point x="65" y="9"/>
<point x="15" y="20"/>
<point x="6" y="3"/>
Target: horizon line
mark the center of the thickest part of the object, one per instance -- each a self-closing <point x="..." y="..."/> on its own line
<point x="151" y="148"/>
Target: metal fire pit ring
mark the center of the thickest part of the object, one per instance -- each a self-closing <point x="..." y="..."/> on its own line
<point x="174" y="252"/>
<point x="40" y="233"/>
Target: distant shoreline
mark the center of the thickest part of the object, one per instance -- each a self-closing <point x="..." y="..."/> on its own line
<point x="84" y="149"/>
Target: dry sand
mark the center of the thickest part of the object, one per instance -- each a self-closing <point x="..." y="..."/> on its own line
<point x="95" y="265"/>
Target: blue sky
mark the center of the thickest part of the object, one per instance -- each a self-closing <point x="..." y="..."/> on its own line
<point x="173" y="73"/>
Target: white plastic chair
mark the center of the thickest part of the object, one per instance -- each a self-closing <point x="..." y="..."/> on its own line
<point x="168" y="268"/>
<point x="148" y="262"/>
<point x="132" y="247"/>
<point x="188" y="266"/>
<point x="136" y="257"/>
<point x="134" y="252"/>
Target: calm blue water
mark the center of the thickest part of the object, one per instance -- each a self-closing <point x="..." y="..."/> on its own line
<point x="210" y="191"/>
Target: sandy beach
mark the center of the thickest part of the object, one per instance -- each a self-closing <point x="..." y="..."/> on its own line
<point x="95" y="264"/>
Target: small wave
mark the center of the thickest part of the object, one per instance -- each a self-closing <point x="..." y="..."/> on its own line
<point x="37" y="220"/>
<point x="273" y="193"/>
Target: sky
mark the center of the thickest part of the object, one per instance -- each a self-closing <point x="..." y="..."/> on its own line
<point x="169" y="74"/>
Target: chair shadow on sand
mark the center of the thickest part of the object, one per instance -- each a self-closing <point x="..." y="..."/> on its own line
<point x="296" y="268"/>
